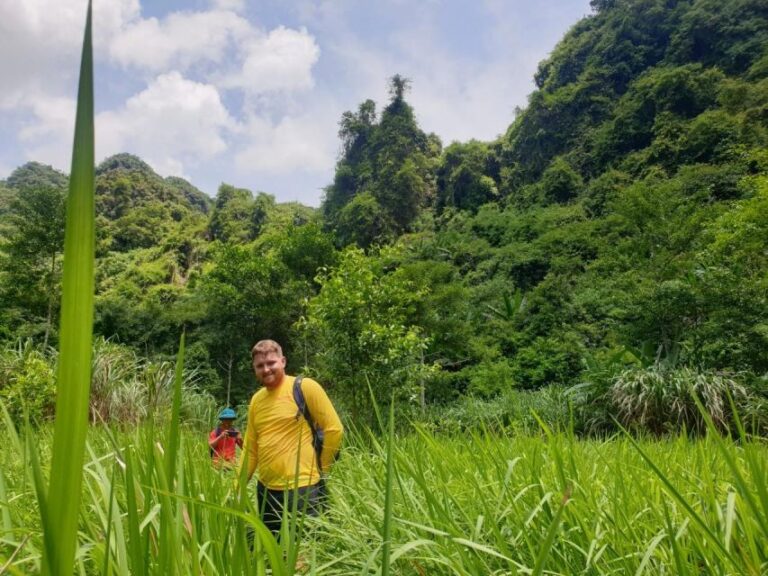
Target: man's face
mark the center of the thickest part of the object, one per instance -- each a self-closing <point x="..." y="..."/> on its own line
<point x="269" y="369"/>
<point x="225" y="424"/>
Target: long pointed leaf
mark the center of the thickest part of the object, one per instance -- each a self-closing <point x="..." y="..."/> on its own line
<point x="74" y="377"/>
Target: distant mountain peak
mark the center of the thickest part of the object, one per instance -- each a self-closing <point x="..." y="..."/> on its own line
<point x="37" y="174"/>
<point x="124" y="161"/>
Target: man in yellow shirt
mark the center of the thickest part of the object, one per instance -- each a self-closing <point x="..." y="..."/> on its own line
<point x="279" y="439"/>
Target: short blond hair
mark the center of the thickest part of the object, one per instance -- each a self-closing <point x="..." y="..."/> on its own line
<point x="265" y="347"/>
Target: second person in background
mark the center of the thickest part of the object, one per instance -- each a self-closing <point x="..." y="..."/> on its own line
<point x="223" y="439"/>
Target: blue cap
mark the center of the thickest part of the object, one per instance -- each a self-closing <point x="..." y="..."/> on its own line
<point x="227" y="414"/>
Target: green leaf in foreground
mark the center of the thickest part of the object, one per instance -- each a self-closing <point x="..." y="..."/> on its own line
<point x="74" y="376"/>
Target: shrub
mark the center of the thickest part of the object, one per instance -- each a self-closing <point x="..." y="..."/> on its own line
<point x="660" y="400"/>
<point x="125" y="389"/>
<point x="490" y="378"/>
<point x="444" y="387"/>
<point x="513" y="410"/>
<point x="592" y="413"/>
<point x="27" y="382"/>
<point x="114" y="393"/>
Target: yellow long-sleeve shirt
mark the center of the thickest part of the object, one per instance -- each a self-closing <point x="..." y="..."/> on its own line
<point x="279" y="445"/>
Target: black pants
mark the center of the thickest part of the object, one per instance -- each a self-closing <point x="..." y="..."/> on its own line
<point x="309" y="500"/>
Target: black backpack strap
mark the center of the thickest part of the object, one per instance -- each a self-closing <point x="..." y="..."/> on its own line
<point x="298" y="397"/>
<point x="303" y="410"/>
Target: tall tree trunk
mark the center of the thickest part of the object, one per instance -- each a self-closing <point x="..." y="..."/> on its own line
<point x="229" y="377"/>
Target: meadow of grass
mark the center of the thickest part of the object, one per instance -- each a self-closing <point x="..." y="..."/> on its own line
<point x="477" y="503"/>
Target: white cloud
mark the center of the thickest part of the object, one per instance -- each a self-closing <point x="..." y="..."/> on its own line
<point x="5" y="171"/>
<point x="41" y="42"/>
<point x="294" y="143"/>
<point x="175" y="121"/>
<point x="479" y="106"/>
<point x="280" y="61"/>
<point x="180" y="40"/>
<point x="246" y="57"/>
<point x="48" y="136"/>
<point x="232" y="5"/>
<point x="462" y="98"/>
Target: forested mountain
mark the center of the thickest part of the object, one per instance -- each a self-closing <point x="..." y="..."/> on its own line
<point x="614" y="211"/>
<point x="618" y="226"/>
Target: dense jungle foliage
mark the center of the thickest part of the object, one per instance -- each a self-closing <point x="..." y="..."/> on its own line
<point x="611" y="246"/>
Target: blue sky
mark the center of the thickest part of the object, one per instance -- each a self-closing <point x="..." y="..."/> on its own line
<point x="251" y="93"/>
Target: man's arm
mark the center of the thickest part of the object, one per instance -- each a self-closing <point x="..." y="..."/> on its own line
<point x="324" y="416"/>
<point x="214" y="439"/>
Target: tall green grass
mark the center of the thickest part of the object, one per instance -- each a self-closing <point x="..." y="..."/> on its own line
<point x="472" y="504"/>
<point x="490" y="504"/>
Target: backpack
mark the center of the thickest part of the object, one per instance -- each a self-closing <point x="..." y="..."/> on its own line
<point x="318" y="435"/>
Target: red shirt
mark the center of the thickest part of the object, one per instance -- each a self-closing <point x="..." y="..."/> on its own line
<point x="224" y="448"/>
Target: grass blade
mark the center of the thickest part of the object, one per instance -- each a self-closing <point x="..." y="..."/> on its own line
<point x="74" y="376"/>
<point x="136" y="549"/>
<point x="387" y="527"/>
<point x="549" y="540"/>
<point x="173" y="431"/>
<point x="108" y="537"/>
<point x="5" y="512"/>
